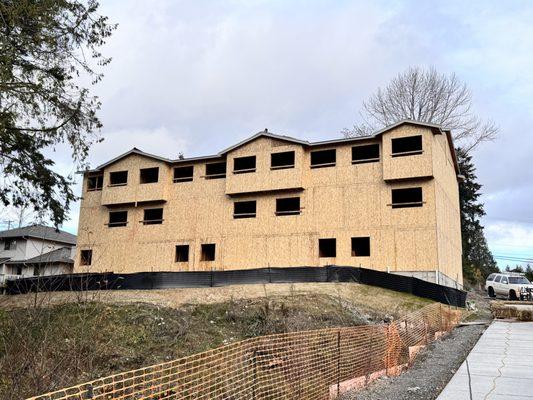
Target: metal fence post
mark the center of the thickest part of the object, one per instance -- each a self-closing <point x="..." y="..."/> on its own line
<point x="254" y="369"/>
<point x="90" y="393"/>
<point x="338" y="362"/>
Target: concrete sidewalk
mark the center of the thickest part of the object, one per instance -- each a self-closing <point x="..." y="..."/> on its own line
<point x="500" y="366"/>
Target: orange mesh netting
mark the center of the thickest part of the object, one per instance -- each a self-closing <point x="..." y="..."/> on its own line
<point x="308" y="365"/>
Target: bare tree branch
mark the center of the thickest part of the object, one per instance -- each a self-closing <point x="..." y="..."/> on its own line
<point x="427" y="96"/>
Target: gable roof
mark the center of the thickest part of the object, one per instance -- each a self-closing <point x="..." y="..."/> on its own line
<point x="267" y="134"/>
<point x="40" y="232"/>
<point x="61" y="255"/>
<point x="135" y="150"/>
<point x="435" y="128"/>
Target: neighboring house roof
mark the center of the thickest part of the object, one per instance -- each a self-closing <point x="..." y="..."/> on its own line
<point x="40" y="232"/>
<point x="61" y="255"/>
<point x="436" y="129"/>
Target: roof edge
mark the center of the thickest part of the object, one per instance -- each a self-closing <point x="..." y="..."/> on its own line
<point x="436" y="128"/>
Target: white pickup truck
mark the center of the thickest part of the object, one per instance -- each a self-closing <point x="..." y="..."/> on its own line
<point x="513" y="286"/>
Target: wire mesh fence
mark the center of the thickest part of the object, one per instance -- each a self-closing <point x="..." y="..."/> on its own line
<point x="319" y="364"/>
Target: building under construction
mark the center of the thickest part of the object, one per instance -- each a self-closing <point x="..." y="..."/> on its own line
<point x="388" y="201"/>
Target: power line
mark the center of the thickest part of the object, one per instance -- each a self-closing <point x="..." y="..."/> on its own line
<point x="512" y="256"/>
<point x="519" y="260"/>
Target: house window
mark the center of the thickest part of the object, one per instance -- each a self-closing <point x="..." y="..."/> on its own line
<point x="215" y="170"/>
<point x="365" y="154"/>
<point x="183" y="174"/>
<point x="118" y="178"/>
<point x="243" y="165"/>
<point x="404" y="198"/>
<point x="323" y="158"/>
<point x="360" y="247"/>
<point x="327" y="247"/>
<point x="19" y="269"/>
<point x="244" y="209"/>
<point x="208" y="252"/>
<point x="282" y="160"/>
<point x="153" y="216"/>
<point x="182" y="253"/>
<point x="10" y="244"/>
<point x="86" y="257"/>
<point x="37" y="270"/>
<point x="118" y="218"/>
<point x="288" y="206"/>
<point x="407" y="146"/>
<point x="149" y="175"/>
<point x="95" y="182"/>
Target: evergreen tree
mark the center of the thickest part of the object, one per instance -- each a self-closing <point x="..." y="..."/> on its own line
<point x="48" y="48"/>
<point x="529" y="273"/>
<point x="478" y="261"/>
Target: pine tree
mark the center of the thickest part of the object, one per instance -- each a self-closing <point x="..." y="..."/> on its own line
<point x="529" y="273"/>
<point x="478" y="261"/>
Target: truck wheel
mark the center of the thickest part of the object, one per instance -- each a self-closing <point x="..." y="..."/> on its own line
<point x="512" y="295"/>
<point x="491" y="292"/>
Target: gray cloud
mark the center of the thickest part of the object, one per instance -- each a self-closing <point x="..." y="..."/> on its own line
<point x="199" y="76"/>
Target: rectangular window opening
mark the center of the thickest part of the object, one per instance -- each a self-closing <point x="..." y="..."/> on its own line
<point x="208" y="252"/>
<point x="86" y="257"/>
<point x="405" y="198"/>
<point x="183" y="174"/>
<point x="95" y="182"/>
<point x="118" y="178"/>
<point x="117" y="218"/>
<point x="10" y="244"/>
<point x="282" y="160"/>
<point x="215" y="170"/>
<point x="360" y="247"/>
<point x="288" y="206"/>
<point x="327" y="247"/>
<point x="323" y="158"/>
<point x="365" y="154"/>
<point x="153" y="216"/>
<point x="244" y="209"/>
<point x="182" y="253"/>
<point x="149" y="175"/>
<point x="407" y="146"/>
<point x="243" y="165"/>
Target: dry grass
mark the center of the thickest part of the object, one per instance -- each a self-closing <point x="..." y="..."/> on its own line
<point x="55" y="340"/>
<point x="522" y="311"/>
<point x="366" y="298"/>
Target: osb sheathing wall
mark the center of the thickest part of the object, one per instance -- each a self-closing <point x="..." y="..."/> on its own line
<point x="339" y="202"/>
<point x="447" y="211"/>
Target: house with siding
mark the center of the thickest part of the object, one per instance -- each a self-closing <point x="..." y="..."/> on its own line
<point x="388" y="201"/>
<point x="35" y="250"/>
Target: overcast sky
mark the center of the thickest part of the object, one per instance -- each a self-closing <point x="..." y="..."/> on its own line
<point x="198" y="76"/>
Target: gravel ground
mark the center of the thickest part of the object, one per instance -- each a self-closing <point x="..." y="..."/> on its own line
<point x="430" y="372"/>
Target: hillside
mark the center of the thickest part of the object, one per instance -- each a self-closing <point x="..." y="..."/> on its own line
<point x="54" y="340"/>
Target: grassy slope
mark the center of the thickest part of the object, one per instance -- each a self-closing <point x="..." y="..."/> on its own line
<point x="69" y="341"/>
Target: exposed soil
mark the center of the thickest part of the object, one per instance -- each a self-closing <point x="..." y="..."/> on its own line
<point x="368" y="299"/>
<point x="430" y="372"/>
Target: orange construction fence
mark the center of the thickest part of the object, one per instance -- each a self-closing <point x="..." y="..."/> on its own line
<point x="309" y="365"/>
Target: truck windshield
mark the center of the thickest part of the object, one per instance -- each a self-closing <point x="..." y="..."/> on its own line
<point x="518" y="280"/>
